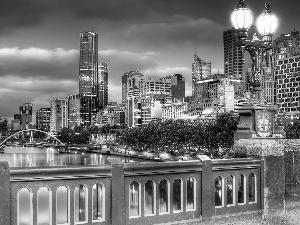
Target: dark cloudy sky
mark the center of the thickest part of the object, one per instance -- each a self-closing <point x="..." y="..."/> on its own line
<point x="39" y="41"/>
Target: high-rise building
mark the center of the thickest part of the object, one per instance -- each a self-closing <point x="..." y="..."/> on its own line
<point x="26" y="115"/>
<point x="287" y="78"/>
<point x="103" y="84"/>
<point x="88" y="60"/>
<point x="201" y="70"/>
<point x="43" y="119"/>
<point x="287" y="45"/>
<point x="178" y="88"/>
<point x="233" y="62"/>
<point x="59" y="114"/>
<point x="74" y="105"/>
<point x="82" y="110"/>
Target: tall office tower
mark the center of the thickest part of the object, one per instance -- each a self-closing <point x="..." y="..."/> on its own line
<point x="103" y="84"/>
<point x="287" y="78"/>
<point x="157" y="85"/>
<point x="88" y="60"/>
<point x="82" y="110"/>
<point x="74" y="118"/>
<point x="178" y="88"/>
<point x="26" y="115"/>
<point x="233" y="63"/>
<point x="131" y="82"/>
<point x="59" y="114"/>
<point x="287" y="45"/>
<point x="43" y="119"/>
<point x="201" y="70"/>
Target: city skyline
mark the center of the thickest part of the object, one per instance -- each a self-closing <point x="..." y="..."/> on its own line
<point x="39" y="47"/>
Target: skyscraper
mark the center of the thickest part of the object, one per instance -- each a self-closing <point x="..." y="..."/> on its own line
<point x="201" y="70"/>
<point x="233" y="63"/>
<point x="26" y="115"/>
<point x="103" y="84"/>
<point x="178" y="87"/>
<point x="43" y="119"/>
<point x="59" y="114"/>
<point x="88" y="60"/>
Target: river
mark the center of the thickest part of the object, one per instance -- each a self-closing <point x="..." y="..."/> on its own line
<point x="45" y="157"/>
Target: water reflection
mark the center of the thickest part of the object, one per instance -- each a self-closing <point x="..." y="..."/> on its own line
<point x="40" y="157"/>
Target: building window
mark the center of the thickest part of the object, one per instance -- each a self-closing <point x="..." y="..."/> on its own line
<point x="230" y="190"/>
<point x="190" y="193"/>
<point x="252" y="188"/>
<point x="80" y="197"/>
<point x="149" y="198"/>
<point x="134" y="199"/>
<point x="44" y="206"/>
<point x="241" y="189"/>
<point x="24" y="207"/>
<point x="218" y="191"/>
<point x="177" y="195"/>
<point x="163" y="196"/>
<point x="62" y="205"/>
<point x="98" y="202"/>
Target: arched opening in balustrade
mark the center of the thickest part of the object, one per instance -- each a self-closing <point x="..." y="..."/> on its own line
<point x="44" y="206"/>
<point x="62" y="205"/>
<point x="190" y="194"/>
<point x="241" y="189"/>
<point x="24" y="203"/>
<point x="230" y="190"/>
<point x="252" y="188"/>
<point x="134" y="199"/>
<point x="150" y="197"/>
<point x="177" y="195"/>
<point x="98" y="202"/>
<point x="164" y="196"/>
<point x="80" y="203"/>
<point x="219" y="191"/>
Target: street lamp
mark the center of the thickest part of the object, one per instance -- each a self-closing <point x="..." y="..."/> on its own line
<point x="259" y="50"/>
<point x="257" y="116"/>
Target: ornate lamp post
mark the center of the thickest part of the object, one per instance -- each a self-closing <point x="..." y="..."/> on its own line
<point x="257" y="115"/>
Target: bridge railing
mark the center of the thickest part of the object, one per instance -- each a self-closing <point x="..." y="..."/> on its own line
<point x="129" y="193"/>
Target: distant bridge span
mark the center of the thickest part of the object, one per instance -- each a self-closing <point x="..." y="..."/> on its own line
<point x="21" y="131"/>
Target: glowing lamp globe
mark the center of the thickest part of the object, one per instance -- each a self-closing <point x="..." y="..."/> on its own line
<point x="267" y="22"/>
<point x="241" y="17"/>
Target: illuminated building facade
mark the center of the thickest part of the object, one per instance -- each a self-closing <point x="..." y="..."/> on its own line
<point x="103" y="84"/>
<point x="233" y="62"/>
<point x="174" y="110"/>
<point x="201" y="70"/>
<point x="43" y="119"/>
<point x="59" y="114"/>
<point x="25" y="112"/>
<point x="287" y="78"/>
<point x="177" y="88"/>
<point x="287" y="45"/>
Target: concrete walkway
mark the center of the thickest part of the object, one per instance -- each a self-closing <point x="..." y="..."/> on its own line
<point x="292" y="217"/>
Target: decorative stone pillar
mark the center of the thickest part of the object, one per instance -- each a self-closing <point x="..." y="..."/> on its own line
<point x="5" y="194"/>
<point x="118" y="212"/>
<point x="207" y="188"/>
<point x="271" y="152"/>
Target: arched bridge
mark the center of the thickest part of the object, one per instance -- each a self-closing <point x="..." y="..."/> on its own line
<point x="28" y="130"/>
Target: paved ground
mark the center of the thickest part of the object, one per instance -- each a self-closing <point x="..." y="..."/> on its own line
<point x="292" y="217"/>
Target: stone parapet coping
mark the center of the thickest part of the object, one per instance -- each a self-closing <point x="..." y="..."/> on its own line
<point x="265" y="146"/>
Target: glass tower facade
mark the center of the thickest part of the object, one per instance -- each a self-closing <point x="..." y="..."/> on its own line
<point x="88" y="63"/>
